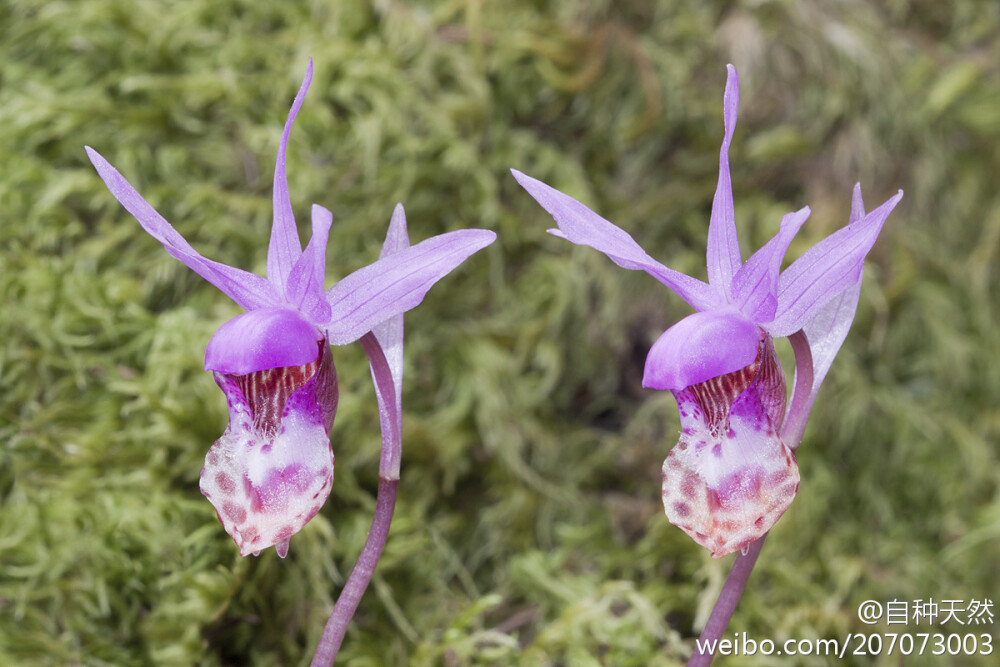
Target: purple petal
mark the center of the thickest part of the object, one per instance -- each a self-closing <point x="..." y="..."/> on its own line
<point x="397" y="283"/>
<point x="284" y="249"/>
<point x="249" y="290"/>
<point x="700" y="347"/>
<point x="730" y="477"/>
<point x="272" y="469"/>
<point x="262" y="339"/>
<point x="305" y="282"/>
<point x="579" y="225"/>
<point x="755" y="285"/>
<point x="723" y="256"/>
<point x="826" y="270"/>
<point x="389" y="333"/>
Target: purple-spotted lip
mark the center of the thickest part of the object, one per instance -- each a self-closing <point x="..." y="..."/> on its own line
<point x="261" y="339"/>
<point x="700" y="347"/>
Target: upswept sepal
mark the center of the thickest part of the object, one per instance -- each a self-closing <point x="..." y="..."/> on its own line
<point x="272" y="469"/>
<point x="730" y="477"/>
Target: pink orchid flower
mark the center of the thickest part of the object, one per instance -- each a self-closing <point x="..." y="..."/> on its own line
<point x="272" y="469"/>
<point x="733" y="472"/>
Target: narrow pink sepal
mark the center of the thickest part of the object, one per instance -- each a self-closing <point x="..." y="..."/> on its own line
<point x="723" y="256"/>
<point x="857" y="205"/>
<point x="397" y="283"/>
<point x="827" y="329"/>
<point x="305" y="282"/>
<point x="285" y="247"/>
<point x="826" y="270"/>
<point x="579" y="225"/>
<point x="829" y="325"/>
<point x="755" y="285"/>
<point x="248" y="290"/>
<point x="824" y="333"/>
<point x="389" y="333"/>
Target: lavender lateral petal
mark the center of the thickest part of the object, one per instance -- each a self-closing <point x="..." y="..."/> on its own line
<point x="284" y="248"/>
<point x="723" y="256"/>
<point x="305" y="281"/>
<point x="397" y="283"/>
<point x="579" y="225"/>
<point x="262" y="339"/>
<point x="755" y="285"/>
<point x="826" y="269"/>
<point x="248" y="290"/>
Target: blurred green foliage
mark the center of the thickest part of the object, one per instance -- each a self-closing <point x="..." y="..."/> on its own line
<point x="529" y="529"/>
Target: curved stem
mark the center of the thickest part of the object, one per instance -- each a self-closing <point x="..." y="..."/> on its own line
<point x="385" y="504"/>
<point x="791" y="433"/>
<point x="802" y="394"/>
<point x="726" y="603"/>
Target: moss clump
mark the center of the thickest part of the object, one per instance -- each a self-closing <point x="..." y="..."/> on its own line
<point x="529" y="529"/>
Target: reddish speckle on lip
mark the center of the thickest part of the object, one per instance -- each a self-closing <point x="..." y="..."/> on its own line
<point x="712" y="497"/>
<point x="234" y="512"/>
<point x="256" y="505"/>
<point x="777" y="477"/>
<point x="225" y="482"/>
<point x="689" y="485"/>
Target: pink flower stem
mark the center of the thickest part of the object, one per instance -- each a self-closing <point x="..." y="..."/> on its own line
<point x="726" y="603"/>
<point x="791" y="433"/>
<point x="350" y="596"/>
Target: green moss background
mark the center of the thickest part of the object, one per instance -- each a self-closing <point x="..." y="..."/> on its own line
<point x="529" y="529"/>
